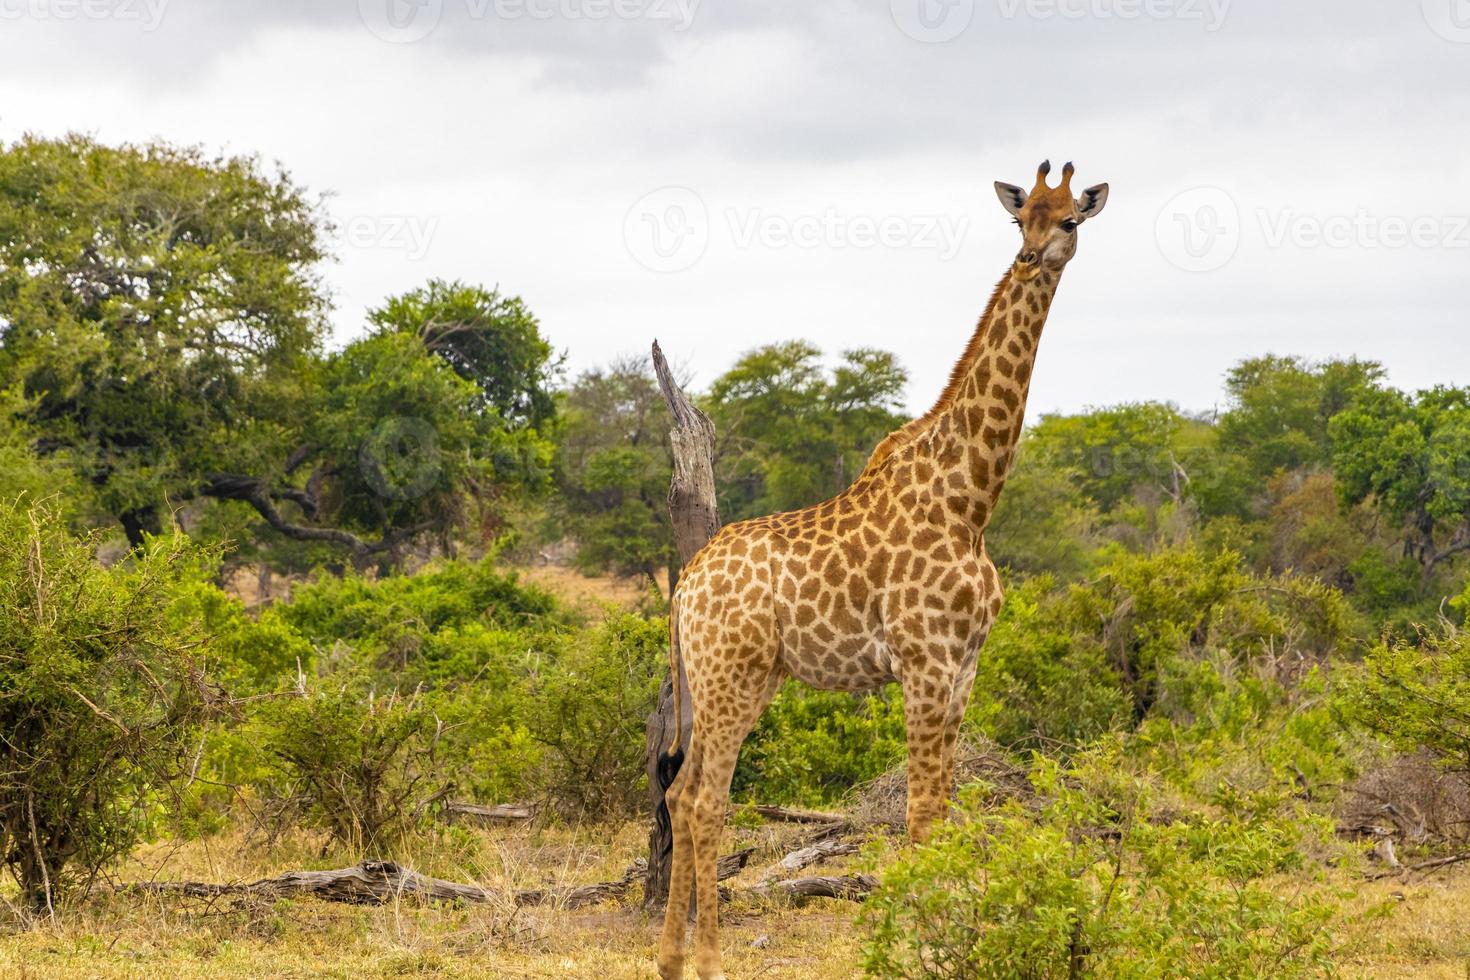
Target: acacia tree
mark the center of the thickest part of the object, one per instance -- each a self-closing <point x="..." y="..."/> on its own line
<point x="793" y="433"/>
<point x="1409" y="454"/>
<point x="613" y="469"/>
<point x="161" y="315"/>
<point x="155" y="305"/>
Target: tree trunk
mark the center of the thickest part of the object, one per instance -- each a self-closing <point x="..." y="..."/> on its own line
<point x="695" y="519"/>
<point x="138" y="522"/>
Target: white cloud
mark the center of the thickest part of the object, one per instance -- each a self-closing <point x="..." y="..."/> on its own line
<point x="510" y="150"/>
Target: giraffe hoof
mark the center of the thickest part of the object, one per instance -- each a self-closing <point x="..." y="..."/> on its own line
<point x="671" y="969"/>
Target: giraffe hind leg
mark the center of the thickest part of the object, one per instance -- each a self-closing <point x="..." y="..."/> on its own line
<point x="720" y="743"/>
<point x="677" y="799"/>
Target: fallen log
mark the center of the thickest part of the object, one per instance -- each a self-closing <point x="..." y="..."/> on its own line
<point x="803" y="858"/>
<point x="499" y="813"/>
<point x="791" y="815"/>
<point x="852" y="887"/>
<point x="1429" y="865"/>
<point x="731" y="865"/>
<point x="377" y="882"/>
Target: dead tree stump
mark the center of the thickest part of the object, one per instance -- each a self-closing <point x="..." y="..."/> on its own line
<point x="695" y="520"/>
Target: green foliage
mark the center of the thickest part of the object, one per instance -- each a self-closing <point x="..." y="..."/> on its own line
<point x="1409" y="455"/>
<point x="813" y="748"/>
<point x="1111" y="451"/>
<point x="23" y="473"/>
<point x="1104" y="877"/>
<point x="613" y="471"/>
<point x="1416" y="696"/>
<point x="492" y="341"/>
<point x="1039" y="684"/>
<point x="588" y="707"/>
<point x="1044" y="522"/>
<point x="440" y="624"/>
<point x="154" y="303"/>
<point x="101" y="690"/>
<point x="1281" y="409"/>
<point x="358" y="762"/>
<point x="790" y="433"/>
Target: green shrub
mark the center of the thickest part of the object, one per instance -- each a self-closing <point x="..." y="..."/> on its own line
<point x="1105" y="877"/>
<point x="588" y="706"/>
<point x="1416" y="696"/>
<point x="391" y="624"/>
<point x="100" y="696"/>
<point x="360" y="763"/>
<point x="1036" y="685"/>
<point x="812" y="748"/>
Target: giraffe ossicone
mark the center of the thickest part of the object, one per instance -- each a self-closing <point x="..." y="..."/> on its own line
<point x="887" y="581"/>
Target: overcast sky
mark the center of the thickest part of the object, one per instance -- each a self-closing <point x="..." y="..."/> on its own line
<point x="1286" y="176"/>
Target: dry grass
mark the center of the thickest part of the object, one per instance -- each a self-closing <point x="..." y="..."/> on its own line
<point x="587" y="592"/>
<point x="1426" y="933"/>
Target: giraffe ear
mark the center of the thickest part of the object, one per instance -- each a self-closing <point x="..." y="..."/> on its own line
<point x="1090" y="204"/>
<point x="1011" y="197"/>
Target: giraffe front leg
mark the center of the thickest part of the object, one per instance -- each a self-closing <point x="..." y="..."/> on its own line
<point x="931" y="731"/>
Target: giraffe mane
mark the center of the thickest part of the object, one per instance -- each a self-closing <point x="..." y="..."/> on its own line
<point x="906" y="434"/>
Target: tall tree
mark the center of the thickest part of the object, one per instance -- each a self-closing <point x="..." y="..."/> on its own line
<point x="793" y="433"/>
<point x="1411" y="455"/>
<point x="155" y="306"/>
<point x="613" y="470"/>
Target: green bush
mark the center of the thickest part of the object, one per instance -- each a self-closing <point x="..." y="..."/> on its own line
<point x="1104" y="877"/>
<point x="101" y="694"/>
<point x="360" y="763"/>
<point x="812" y="748"/>
<point x="588" y="706"/>
<point x="1036" y="685"/>
<point x="1416" y="696"/>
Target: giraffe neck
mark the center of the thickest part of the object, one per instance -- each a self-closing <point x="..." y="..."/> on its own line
<point x="973" y="430"/>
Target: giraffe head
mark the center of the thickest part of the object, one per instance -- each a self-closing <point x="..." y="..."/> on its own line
<point x="1048" y="217"/>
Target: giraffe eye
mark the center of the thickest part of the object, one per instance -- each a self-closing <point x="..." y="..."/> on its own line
<point x="1069" y="225"/>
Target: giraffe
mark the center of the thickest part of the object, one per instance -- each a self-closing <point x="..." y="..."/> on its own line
<point x="889" y="580"/>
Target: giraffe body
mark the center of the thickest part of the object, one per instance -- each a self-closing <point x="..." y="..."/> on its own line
<point x="888" y="581"/>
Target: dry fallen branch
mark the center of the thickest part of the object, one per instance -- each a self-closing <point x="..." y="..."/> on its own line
<point x="791" y="815"/>
<point x="853" y="887"/>
<point x="804" y="858"/>
<point x="376" y="882"/>
<point x="731" y="865"/>
<point x="1429" y="865"/>
<point x="499" y="813"/>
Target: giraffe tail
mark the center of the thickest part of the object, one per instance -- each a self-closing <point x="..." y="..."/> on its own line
<point x="674" y="754"/>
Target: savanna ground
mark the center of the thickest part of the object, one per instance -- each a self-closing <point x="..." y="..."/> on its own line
<point x="1412" y="925"/>
<point x="119" y="936"/>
